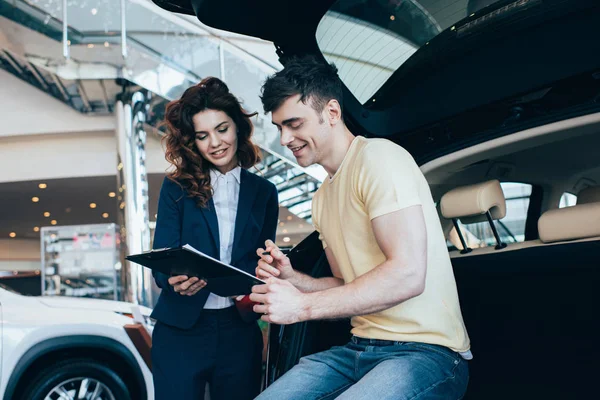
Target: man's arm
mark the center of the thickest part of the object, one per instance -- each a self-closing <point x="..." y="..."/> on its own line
<point x="308" y="284"/>
<point x="402" y="237"/>
<point x="278" y="265"/>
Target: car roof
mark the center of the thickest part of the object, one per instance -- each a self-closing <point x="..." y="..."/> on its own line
<point x="495" y="72"/>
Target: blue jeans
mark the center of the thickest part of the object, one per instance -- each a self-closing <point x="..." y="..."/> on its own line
<point x="375" y="369"/>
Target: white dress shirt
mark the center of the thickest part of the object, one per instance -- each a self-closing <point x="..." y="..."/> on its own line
<point x="226" y="194"/>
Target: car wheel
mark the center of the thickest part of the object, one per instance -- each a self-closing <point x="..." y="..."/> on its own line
<point x="77" y="379"/>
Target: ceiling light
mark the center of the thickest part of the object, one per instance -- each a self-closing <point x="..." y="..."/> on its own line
<point x="392" y="17"/>
<point x="35" y="199"/>
<point x="289" y="218"/>
<point x="46" y="214"/>
<point x="281" y="223"/>
<point x="53" y="222"/>
<point x="68" y="42"/>
<point x="112" y="194"/>
<point x="286" y="239"/>
<point x="106" y="44"/>
<point x="42" y="186"/>
<point x="105" y="215"/>
<point x="94" y="11"/>
<point x="453" y="28"/>
<point x="122" y="205"/>
<point x="301" y="226"/>
<point x="36" y="229"/>
<point x="120" y="166"/>
<point x="90" y="46"/>
<point x="92" y="205"/>
<point x="68" y="209"/>
<point x="284" y="231"/>
<point x="12" y="234"/>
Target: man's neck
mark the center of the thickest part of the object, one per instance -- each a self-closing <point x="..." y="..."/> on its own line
<point x="341" y="144"/>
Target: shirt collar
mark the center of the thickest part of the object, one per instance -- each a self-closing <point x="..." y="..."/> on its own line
<point x="236" y="172"/>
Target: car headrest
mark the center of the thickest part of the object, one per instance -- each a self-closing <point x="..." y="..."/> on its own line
<point x="471" y="203"/>
<point x="577" y="222"/>
<point x="589" y="195"/>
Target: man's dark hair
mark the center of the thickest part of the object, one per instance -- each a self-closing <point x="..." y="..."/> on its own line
<point x="314" y="80"/>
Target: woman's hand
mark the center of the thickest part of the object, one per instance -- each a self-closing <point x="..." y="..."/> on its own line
<point x="186" y="286"/>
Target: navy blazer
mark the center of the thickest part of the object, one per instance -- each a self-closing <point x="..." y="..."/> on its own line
<point x="180" y="221"/>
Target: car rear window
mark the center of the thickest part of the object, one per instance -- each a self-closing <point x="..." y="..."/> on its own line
<point x="370" y="39"/>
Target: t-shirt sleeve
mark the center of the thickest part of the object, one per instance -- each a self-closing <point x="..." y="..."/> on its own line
<point x="387" y="179"/>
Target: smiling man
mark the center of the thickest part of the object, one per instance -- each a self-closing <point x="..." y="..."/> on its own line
<point x="384" y="242"/>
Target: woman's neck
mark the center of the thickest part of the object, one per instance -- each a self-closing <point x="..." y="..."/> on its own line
<point x="227" y="168"/>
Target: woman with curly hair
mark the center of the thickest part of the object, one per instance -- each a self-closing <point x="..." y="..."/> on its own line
<point x="213" y="203"/>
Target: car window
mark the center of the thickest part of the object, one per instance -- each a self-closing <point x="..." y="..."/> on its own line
<point x="567" y="200"/>
<point x="511" y="228"/>
<point x="370" y="39"/>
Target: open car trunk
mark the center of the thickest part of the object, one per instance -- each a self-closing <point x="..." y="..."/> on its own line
<point x="492" y="71"/>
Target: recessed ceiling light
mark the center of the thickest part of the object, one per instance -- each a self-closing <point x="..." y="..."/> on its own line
<point x="53" y="222"/>
<point x="122" y="205"/>
<point x="392" y="17"/>
<point x="289" y="218"/>
<point x="281" y="223"/>
<point x="90" y="46"/>
<point x="46" y="214"/>
<point x="94" y="11"/>
<point x="68" y="209"/>
<point x="106" y="44"/>
<point x="12" y="234"/>
<point x="92" y="205"/>
<point x="301" y="226"/>
<point x="112" y="194"/>
<point x="286" y="239"/>
<point x="105" y="215"/>
<point x="36" y="229"/>
<point x="284" y="231"/>
<point x="42" y="186"/>
<point x="35" y="199"/>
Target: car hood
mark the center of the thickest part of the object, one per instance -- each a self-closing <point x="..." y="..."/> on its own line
<point x="92" y="304"/>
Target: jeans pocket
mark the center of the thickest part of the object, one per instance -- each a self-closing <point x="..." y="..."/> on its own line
<point x="439" y="350"/>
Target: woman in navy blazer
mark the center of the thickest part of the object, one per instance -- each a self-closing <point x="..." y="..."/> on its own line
<point x="213" y="203"/>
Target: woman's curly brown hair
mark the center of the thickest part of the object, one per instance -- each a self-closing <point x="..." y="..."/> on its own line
<point x="192" y="171"/>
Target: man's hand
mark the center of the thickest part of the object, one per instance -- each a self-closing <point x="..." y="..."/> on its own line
<point x="276" y="264"/>
<point x="281" y="302"/>
<point x="186" y="287"/>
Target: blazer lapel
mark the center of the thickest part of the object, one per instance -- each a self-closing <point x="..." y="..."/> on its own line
<point x="248" y="193"/>
<point x="213" y="224"/>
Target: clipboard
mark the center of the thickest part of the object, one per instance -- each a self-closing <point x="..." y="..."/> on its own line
<point x="221" y="279"/>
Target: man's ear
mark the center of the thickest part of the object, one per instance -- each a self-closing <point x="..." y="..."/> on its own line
<point x="333" y="112"/>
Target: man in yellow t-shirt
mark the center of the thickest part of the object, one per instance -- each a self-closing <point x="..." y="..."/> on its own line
<point x="384" y="242"/>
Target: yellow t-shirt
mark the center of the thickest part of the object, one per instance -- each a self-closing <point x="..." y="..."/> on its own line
<point x="378" y="177"/>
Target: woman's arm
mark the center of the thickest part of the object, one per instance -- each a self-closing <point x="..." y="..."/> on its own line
<point x="168" y="225"/>
<point x="269" y="229"/>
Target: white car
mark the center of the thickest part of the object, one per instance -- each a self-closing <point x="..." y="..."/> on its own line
<point x="65" y="348"/>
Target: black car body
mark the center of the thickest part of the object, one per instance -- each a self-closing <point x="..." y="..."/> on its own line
<point x="498" y="69"/>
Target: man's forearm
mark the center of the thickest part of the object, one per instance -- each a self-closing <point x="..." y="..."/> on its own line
<point x="308" y="284"/>
<point x="384" y="287"/>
